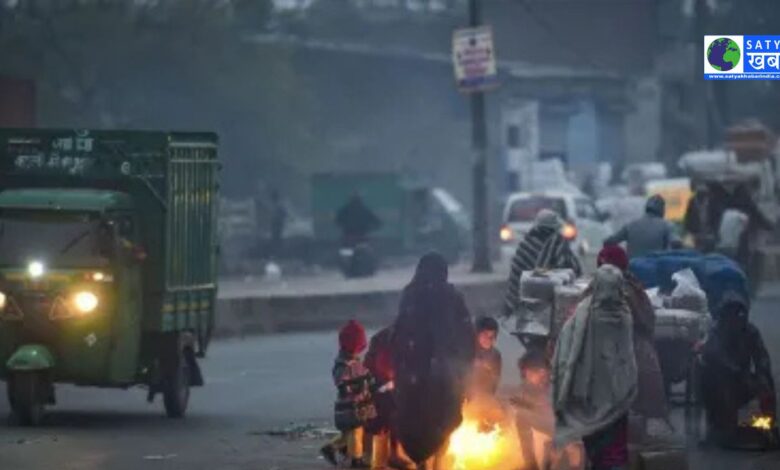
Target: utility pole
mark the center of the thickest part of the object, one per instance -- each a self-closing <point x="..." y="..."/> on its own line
<point x="702" y="89"/>
<point x="481" y="228"/>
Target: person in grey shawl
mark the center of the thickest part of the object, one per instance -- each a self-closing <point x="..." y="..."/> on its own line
<point x="542" y="248"/>
<point x="595" y="373"/>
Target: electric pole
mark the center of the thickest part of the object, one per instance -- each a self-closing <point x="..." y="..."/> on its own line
<point x="481" y="222"/>
<point x="702" y="89"/>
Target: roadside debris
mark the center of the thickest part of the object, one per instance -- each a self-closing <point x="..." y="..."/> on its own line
<point x="296" y="432"/>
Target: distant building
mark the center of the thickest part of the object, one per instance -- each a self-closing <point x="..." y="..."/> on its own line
<point x="595" y="96"/>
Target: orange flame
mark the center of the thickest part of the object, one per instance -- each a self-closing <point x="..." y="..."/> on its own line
<point x="486" y="440"/>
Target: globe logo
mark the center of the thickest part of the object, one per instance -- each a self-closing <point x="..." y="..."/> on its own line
<point x="723" y="54"/>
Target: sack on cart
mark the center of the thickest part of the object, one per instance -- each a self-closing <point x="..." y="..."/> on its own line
<point x="687" y="293"/>
<point x="534" y="317"/>
<point x="541" y="285"/>
<point x="536" y="312"/>
<point x="566" y="300"/>
<point x="681" y="325"/>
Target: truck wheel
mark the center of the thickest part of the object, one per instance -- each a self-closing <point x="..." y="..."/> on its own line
<point x="176" y="385"/>
<point x="25" y="395"/>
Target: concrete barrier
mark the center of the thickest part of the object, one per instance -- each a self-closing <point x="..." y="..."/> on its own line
<point x="266" y="313"/>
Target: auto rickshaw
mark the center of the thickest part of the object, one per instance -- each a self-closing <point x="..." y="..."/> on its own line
<point x="108" y="260"/>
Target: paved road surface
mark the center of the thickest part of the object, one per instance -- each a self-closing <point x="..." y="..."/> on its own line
<point x="254" y="385"/>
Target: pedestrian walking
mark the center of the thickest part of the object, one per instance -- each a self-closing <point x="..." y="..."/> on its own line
<point x="542" y="248"/>
<point x="595" y="373"/>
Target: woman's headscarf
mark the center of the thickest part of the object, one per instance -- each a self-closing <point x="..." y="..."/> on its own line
<point x="594" y="368"/>
<point x="614" y="255"/>
<point x="431" y="271"/>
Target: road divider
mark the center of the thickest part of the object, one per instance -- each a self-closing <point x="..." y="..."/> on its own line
<point x="267" y="313"/>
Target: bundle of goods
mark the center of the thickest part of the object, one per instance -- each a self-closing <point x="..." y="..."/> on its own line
<point x="566" y="299"/>
<point x="678" y="324"/>
<point x="715" y="273"/>
<point x="683" y="287"/>
<point x="536" y="316"/>
<point x="681" y="320"/>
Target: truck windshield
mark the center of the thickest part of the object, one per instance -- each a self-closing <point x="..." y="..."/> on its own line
<point x="61" y="240"/>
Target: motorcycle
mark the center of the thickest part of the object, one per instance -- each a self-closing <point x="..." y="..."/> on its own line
<point x="357" y="260"/>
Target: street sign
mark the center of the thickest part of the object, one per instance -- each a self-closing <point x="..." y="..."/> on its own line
<point x="474" y="59"/>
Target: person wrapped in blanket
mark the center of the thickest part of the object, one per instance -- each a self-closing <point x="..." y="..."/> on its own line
<point x="651" y="401"/>
<point x="354" y="406"/>
<point x="595" y="373"/>
<point x="736" y="370"/>
<point x="542" y="248"/>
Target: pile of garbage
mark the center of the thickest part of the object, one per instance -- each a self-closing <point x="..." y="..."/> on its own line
<point x="306" y="431"/>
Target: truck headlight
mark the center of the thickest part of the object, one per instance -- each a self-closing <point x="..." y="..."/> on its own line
<point x="36" y="269"/>
<point x="2" y="301"/>
<point x="85" y="302"/>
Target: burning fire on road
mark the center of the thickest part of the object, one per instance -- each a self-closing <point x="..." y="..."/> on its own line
<point x="486" y="439"/>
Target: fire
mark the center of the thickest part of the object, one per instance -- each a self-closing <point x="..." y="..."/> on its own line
<point x="762" y="422"/>
<point x="473" y="447"/>
<point x="486" y="440"/>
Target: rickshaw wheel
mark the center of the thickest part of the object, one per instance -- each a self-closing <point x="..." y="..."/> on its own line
<point x="25" y="391"/>
<point x="176" y="386"/>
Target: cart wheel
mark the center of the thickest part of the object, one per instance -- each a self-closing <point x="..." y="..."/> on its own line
<point x="25" y="395"/>
<point x="176" y="385"/>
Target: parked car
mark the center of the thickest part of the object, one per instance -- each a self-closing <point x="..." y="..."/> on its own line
<point x="585" y="226"/>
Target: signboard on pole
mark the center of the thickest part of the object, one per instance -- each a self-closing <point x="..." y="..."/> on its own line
<point x="474" y="59"/>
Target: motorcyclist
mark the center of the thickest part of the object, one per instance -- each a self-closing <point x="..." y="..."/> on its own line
<point x="648" y="233"/>
<point x="356" y="221"/>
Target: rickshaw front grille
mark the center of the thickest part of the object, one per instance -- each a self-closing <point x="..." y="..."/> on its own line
<point x="33" y="310"/>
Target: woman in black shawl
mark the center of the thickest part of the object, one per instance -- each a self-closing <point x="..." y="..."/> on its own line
<point x="433" y="349"/>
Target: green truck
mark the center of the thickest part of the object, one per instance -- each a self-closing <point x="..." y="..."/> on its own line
<point x="108" y="262"/>
<point x="415" y="217"/>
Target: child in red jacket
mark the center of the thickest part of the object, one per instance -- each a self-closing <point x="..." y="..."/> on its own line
<point x="353" y="408"/>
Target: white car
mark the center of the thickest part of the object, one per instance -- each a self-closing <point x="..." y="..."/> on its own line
<point x="584" y="225"/>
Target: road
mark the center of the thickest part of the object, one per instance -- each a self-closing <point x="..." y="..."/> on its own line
<point x="254" y="385"/>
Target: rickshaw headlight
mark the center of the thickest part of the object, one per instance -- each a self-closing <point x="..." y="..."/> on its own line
<point x="85" y="302"/>
<point x="2" y="301"/>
